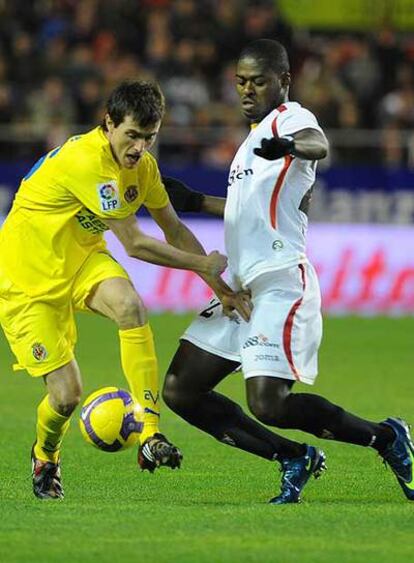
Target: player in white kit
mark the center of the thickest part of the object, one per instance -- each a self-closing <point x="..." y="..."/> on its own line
<point x="265" y="214"/>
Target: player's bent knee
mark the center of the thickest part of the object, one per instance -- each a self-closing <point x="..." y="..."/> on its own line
<point x="67" y="408"/>
<point x="173" y="395"/>
<point x="65" y="405"/>
<point x="65" y="399"/>
<point x="266" y="412"/>
<point x="170" y="393"/>
<point x="266" y="398"/>
<point x="129" y="311"/>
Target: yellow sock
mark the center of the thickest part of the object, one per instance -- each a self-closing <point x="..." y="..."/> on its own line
<point x="139" y="363"/>
<point x="51" y="427"/>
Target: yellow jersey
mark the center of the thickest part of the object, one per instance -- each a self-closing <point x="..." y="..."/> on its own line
<point x="55" y="221"/>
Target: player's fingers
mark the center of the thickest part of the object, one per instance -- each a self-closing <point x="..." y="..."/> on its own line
<point x="243" y="309"/>
<point x="229" y="312"/>
<point x="263" y="154"/>
<point x="246" y="296"/>
<point x="246" y="304"/>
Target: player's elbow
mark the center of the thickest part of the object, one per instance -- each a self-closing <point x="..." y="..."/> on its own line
<point x="323" y="152"/>
<point x="173" y="237"/>
<point x="135" y="247"/>
<point x="323" y="149"/>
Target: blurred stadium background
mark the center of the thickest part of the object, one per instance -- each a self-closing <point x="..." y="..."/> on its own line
<point x="352" y="64"/>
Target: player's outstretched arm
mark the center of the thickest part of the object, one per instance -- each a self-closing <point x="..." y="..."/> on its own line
<point x="139" y="245"/>
<point x="214" y="205"/>
<point x="184" y="199"/>
<point x="308" y="144"/>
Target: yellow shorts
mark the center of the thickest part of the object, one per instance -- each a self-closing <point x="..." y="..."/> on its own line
<point x="42" y="332"/>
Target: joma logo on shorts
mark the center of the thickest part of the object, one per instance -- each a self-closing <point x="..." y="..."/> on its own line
<point x="266" y="357"/>
<point x="238" y="174"/>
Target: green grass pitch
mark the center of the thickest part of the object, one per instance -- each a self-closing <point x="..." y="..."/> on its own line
<point x="214" y="509"/>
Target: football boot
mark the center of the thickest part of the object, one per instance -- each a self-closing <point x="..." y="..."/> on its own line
<point x="399" y="455"/>
<point x="157" y="451"/>
<point x="296" y="473"/>
<point x="47" y="484"/>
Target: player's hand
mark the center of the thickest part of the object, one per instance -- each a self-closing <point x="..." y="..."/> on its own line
<point x="274" y="148"/>
<point x="216" y="264"/>
<point x="157" y="451"/>
<point x="181" y="196"/>
<point x="239" y="301"/>
<point x="232" y="302"/>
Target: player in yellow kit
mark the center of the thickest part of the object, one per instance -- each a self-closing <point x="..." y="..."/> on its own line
<point x="54" y="261"/>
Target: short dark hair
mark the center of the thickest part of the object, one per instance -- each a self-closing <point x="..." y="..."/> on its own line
<point x="270" y="52"/>
<point x="140" y="98"/>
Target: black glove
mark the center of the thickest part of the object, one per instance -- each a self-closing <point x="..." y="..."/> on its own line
<point x="276" y="147"/>
<point x="157" y="451"/>
<point x="181" y="196"/>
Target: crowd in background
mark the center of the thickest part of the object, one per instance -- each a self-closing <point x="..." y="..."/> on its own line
<point x="60" y="58"/>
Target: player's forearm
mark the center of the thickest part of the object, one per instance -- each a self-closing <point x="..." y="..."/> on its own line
<point x="213" y="205"/>
<point x="185" y="199"/>
<point x="156" y="252"/>
<point x="218" y="285"/>
<point x="184" y="239"/>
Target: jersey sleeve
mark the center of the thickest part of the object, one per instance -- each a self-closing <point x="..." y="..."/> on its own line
<point x="156" y="196"/>
<point x="292" y="121"/>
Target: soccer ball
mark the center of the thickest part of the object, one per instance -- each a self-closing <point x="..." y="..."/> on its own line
<point x="111" y="419"/>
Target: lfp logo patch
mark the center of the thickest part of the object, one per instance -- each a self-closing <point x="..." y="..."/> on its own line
<point x="109" y="196"/>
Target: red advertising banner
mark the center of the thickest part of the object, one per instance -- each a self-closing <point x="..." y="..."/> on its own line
<point x="363" y="269"/>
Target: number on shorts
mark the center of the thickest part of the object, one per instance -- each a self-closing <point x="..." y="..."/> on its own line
<point x="207" y="313"/>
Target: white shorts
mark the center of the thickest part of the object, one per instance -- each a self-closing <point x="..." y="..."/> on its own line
<point x="283" y="335"/>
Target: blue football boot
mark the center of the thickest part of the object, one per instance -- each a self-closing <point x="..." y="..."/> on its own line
<point x="400" y="455"/>
<point x="296" y="473"/>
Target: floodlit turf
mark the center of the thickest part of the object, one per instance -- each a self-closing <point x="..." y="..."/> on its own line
<point x="214" y="509"/>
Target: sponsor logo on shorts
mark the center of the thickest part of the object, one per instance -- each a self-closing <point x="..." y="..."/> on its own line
<point x="266" y="357"/>
<point x="131" y="193"/>
<point x="39" y="352"/>
<point x="109" y="196"/>
<point x="277" y="245"/>
<point x="259" y="340"/>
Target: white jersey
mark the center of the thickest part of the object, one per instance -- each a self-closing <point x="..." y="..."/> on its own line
<point x="265" y="215"/>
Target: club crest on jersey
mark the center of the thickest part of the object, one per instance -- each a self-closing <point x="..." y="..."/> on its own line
<point x="131" y="193"/>
<point x="39" y="352"/>
<point x="277" y="245"/>
<point x="109" y="196"/>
